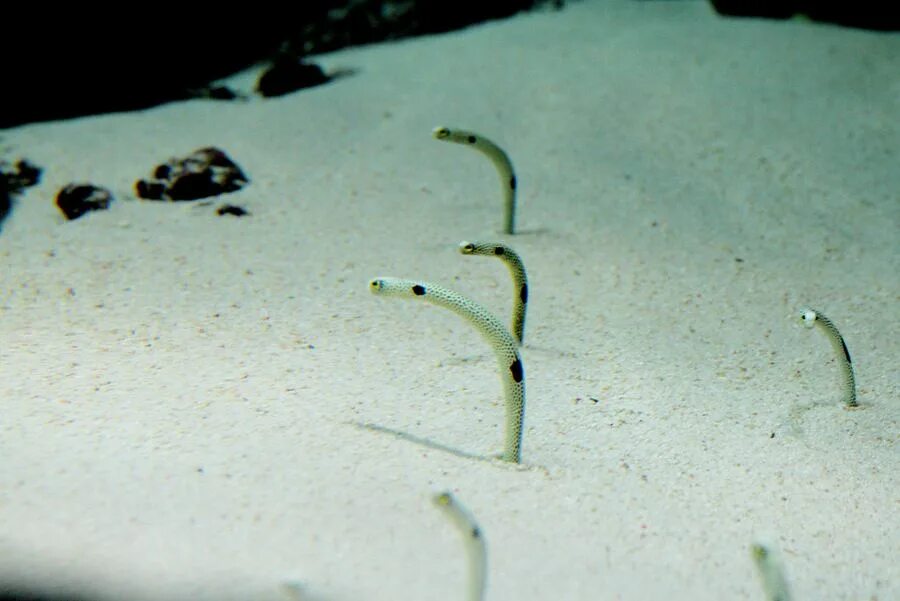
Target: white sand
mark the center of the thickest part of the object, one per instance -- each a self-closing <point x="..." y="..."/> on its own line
<point x="181" y="424"/>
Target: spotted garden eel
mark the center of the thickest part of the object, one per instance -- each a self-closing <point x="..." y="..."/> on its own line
<point x="811" y="318"/>
<point x="511" y="370"/>
<point x="476" y="552"/>
<point x="501" y="163"/>
<point x="771" y="573"/>
<point x="516" y="270"/>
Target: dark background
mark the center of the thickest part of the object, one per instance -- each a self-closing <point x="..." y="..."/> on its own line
<point x="70" y="59"/>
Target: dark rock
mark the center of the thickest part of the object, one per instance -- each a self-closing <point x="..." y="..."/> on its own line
<point x="14" y="179"/>
<point x="204" y="173"/>
<point x="773" y="9"/>
<point x="288" y="74"/>
<point x="77" y="199"/>
<point x="5" y="199"/>
<point x="23" y="174"/>
<point x="865" y="14"/>
<point x="232" y="210"/>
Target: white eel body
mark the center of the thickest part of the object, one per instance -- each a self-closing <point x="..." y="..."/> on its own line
<point x="505" y="348"/>
<point x="501" y="162"/>
<point x="473" y="539"/>
<point x="810" y="318"/>
<point x="516" y="270"/>
<point x="771" y="573"/>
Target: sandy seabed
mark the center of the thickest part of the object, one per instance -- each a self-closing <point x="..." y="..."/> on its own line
<point x="201" y="407"/>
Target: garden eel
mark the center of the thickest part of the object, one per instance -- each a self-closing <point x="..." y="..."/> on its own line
<point x="516" y="270"/>
<point x="504" y="345"/>
<point x="501" y="162"/>
<point x="810" y="318"/>
<point x="473" y="540"/>
<point x="771" y="573"/>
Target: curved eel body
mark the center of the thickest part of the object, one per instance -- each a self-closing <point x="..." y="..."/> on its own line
<point x="811" y="318"/>
<point x="516" y="270"/>
<point x="501" y="162"/>
<point x="504" y="345"/>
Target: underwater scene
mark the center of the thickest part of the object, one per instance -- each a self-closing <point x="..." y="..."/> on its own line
<point x="500" y="301"/>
